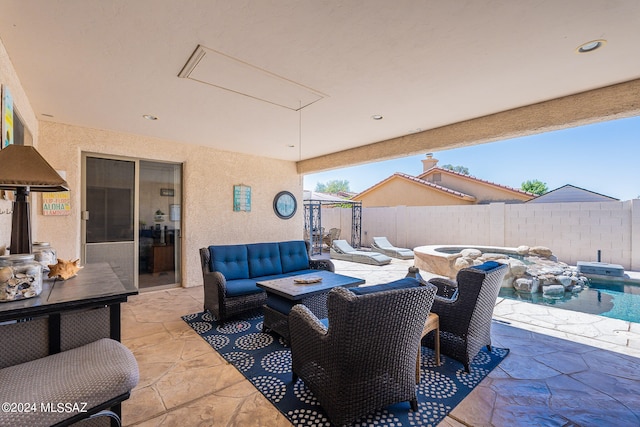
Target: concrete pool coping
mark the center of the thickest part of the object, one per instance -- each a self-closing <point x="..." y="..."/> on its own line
<point x="597" y="331"/>
<point x="442" y="260"/>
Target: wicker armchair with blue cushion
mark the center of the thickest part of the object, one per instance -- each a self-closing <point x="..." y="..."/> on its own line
<point x="230" y="273"/>
<point x="365" y="359"/>
<point x="465" y="308"/>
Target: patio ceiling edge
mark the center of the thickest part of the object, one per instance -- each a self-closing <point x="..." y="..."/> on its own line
<point x="608" y="103"/>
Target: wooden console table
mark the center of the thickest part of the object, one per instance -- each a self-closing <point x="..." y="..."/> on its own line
<point x="163" y="258"/>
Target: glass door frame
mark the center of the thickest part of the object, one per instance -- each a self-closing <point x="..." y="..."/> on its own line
<point x="136" y="215"/>
<point x="177" y="180"/>
<point x="136" y="211"/>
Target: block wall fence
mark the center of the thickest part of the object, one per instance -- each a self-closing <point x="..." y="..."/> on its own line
<point x="573" y="231"/>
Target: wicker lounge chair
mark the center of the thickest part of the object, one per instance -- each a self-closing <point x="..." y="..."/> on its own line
<point x="363" y="361"/>
<point x="382" y="245"/>
<point x="334" y="234"/>
<point x="343" y="250"/>
<point x="465" y="308"/>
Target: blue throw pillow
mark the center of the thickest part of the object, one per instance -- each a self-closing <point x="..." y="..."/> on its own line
<point x="487" y="266"/>
<point x="230" y="260"/>
<point x="294" y="256"/>
<point x="407" y="282"/>
<point x="242" y="287"/>
<point x="264" y="259"/>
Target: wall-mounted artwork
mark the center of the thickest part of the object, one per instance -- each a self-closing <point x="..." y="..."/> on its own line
<point x="174" y="212"/>
<point x="7" y="117"/>
<point x="241" y="198"/>
<point x="58" y="203"/>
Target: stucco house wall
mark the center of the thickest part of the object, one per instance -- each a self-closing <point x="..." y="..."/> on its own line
<point x="437" y="186"/>
<point x="9" y="79"/>
<point x="208" y="179"/>
<point x="398" y="191"/>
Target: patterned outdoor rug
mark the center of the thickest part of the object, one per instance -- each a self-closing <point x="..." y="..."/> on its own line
<point x="266" y="362"/>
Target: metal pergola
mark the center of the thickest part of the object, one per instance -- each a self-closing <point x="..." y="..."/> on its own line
<point x="313" y="203"/>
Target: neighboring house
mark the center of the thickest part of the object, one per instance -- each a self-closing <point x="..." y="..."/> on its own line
<point x="571" y="193"/>
<point x="326" y="197"/>
<point x="438" y="187"/>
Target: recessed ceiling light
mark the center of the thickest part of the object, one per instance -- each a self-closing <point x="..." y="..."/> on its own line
<point x="590" y="46"/>
<point x="376" y="117"/>
<point x="149" y="117"/>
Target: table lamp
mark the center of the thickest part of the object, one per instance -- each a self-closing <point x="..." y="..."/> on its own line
<point x="23" y="169"/>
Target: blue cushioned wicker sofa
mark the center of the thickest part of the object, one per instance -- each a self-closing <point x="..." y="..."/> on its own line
<point x="230" y="272"/>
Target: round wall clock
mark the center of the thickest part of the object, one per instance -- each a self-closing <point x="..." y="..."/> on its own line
<point x="285" y="205"/>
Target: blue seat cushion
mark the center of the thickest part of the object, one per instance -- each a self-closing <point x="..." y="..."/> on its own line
<point x="279" y="303"/>
<point x="325" y="322"/>
<point x="407" y="282"/>
<point x="487" y="266"/>
<point x="230" y="260"/>
<point x="293" y="256"/>
<point x="242" y="287"/>
<point x="264" y="259"/>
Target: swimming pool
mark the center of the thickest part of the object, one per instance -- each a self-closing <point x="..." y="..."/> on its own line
<point x="614" y="299"/>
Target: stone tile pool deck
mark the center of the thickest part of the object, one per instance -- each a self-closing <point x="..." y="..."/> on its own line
<point x="564" y="368"/>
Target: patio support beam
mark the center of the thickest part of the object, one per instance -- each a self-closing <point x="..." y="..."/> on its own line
<point x="598" y="105"/>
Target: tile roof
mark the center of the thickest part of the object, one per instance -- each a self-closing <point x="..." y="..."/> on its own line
<point x="484" y="181"/>
<point x="421" y="182"/>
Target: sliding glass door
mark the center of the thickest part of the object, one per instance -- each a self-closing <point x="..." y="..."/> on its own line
<point x="159" y="223"/>
<point x="131" y="218"/>
<point x="109" y="214"/>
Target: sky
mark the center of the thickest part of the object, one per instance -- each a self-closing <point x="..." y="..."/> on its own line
<point x="602" y="157"/>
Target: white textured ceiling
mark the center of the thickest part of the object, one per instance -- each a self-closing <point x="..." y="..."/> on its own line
<point x="421" y="64"/>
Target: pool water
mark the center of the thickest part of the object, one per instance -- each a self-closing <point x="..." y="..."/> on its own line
<point x="610" y="299"/>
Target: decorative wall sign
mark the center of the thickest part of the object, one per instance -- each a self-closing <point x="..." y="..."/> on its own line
<point x="58" y="203"/>
<point x="241" y="198"/>
<point x="7" y="117"/>
<point x="167" y="192"/>
<point x="174" y="212"/>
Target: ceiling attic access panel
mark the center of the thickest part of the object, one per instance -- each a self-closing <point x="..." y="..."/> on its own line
<point x="225" y="72"/>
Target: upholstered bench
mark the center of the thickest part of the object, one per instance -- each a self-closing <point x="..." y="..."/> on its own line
<point x="66" y="387"/>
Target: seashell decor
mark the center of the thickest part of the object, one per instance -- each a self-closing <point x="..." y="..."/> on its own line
<point x="64" y="269"/>
<point x="20" y="280"/>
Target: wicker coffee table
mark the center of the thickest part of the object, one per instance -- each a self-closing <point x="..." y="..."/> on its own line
<point x="312" y="295"/>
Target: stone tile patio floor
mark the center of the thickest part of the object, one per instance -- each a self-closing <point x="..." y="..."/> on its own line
<point x="564" y="368"/>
